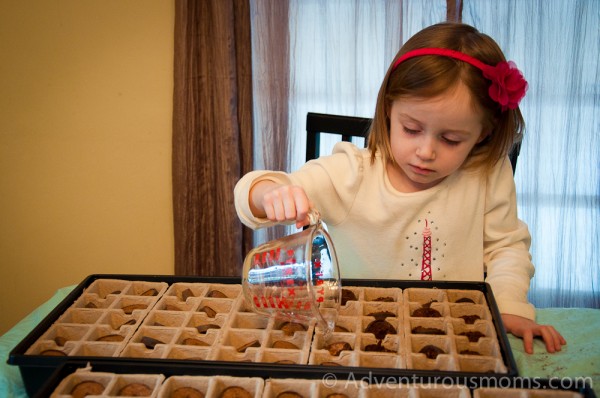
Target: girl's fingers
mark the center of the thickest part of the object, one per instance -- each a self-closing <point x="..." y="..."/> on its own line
<point x="528" y="341"/>
<point x="557" y="338"/>
<point x="269" y="211"/>
<point x="278" y="206"/>
<point x="302" y="207"/>
<point x="548" y="338"/>
<point x="287" y="203"/>
<point x="552" y="339"/>
<point x="563" y="341"/>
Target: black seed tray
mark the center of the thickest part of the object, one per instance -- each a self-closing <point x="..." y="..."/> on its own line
<point x="168" y="309"/>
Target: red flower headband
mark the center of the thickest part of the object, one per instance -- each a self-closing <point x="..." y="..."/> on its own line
<point x="508" y="84"/>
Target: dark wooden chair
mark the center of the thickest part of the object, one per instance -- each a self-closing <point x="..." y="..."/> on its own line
<point x="345" y="126"/>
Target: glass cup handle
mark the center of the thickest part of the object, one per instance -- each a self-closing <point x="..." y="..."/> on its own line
<point x="314" y="217"/>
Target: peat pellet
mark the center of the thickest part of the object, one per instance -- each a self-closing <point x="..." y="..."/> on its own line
<point x="425" y="330"/>
<point x="426" y="312"/>
<point x="254" y="343"/>
<point x="150" y="342"/>
<point x="187" y="293"/>
<point x="382" y="314"/>
<point x="431" y="351"/>
<point x="135" y="390"/>
<point x="465" y="300"/>
<point x="336" y="348"/>
<point x="235" y="392"/>
<point x="85" y="388"/>
<point x="473" y="336"/>
<point x="187" y="392"/>
<point x="470" y="319"/>
<point x="209" y="311"/>
<point x="196" y="342"/>
<point x="111" y="338"/>
<point x="128" y="309"/>
<point x="60" y="341"/>
<point x="469" y="352"/>
<point x="289" y="328"/>
<point x="289" y="394"/>
<point x="285" y="345"/>
<point x="217" y="294"/>
<point x="129" y="322"/>
<point x="202" y="329"/>
<point x="378" y="347"/>
<point x="348" y="295"/>
<point x="380" y="328"/>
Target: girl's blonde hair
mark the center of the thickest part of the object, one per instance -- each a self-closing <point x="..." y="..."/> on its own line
<point x="430" y="76"/>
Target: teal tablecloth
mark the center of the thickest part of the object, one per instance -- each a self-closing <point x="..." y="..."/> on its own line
<point x="579" y="358"/>
<point x="11" y="384"/>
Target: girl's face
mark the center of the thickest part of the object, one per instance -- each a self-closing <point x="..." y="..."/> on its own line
<point x="431" y="138"/>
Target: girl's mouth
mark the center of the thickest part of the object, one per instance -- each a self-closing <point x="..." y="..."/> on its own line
<point x="420" y="170"/>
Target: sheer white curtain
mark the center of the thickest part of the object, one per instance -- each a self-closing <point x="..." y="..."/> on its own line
<point x="556" y="44"/>
<point x="339" y="53"/>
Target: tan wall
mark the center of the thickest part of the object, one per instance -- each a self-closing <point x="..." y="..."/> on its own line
<point x="85" y="144"/>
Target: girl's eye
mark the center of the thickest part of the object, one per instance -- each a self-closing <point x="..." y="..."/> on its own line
<point x="410" y="131"/>
<point x="451" y="142"/>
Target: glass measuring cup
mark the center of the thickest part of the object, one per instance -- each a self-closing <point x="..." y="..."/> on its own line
<point x="296" y="277"/>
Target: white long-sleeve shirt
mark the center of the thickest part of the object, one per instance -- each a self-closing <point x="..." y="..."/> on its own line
<point x="378" y="232"/>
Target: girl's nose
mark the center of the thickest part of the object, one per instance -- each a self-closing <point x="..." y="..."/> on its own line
<point x="426" y="149"/>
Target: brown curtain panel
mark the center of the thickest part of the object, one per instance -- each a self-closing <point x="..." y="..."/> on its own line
<point x="271" y="87"/>
<point x="212" y="134"/>
<point x="454" y="10"/>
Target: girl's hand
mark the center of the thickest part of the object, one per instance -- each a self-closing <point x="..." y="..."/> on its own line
<point x="280" y="202"/>
<point x="528" y="329"/>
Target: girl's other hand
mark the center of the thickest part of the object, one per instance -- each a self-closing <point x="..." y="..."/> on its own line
<point x="280" y="202"/>
<point x="528" y="329"/>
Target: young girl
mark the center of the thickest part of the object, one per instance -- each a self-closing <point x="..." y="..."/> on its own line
<point x="435" y="170"/>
